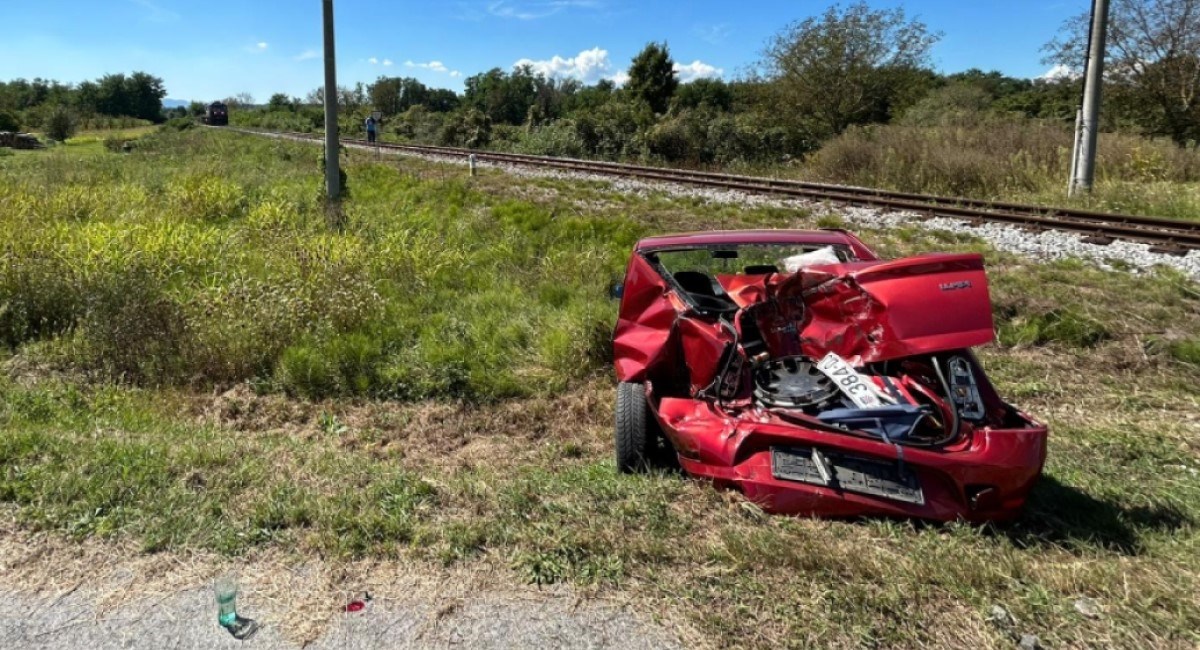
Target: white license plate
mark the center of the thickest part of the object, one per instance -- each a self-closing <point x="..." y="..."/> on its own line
<point x="858" y="388"/>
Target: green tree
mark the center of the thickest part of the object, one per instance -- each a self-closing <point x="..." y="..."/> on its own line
<point x="590" y="98"/>
<point x="844" y="67"/>
<point x="111" y="96"/>
<point x="1153" y="64"/>
<point x="60" y="124"/>
<point x="505" y="98"/>
<point x="442" y="100"/>
<point x="280" y="102"/>
<point x="708" y="93"/>
<point x="652" y="77"/>
<point x="394" y="95"/>
<point x="145" y="93"/>
<point x="8" y="122"/>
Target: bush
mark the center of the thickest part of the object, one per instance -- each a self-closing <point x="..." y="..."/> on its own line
<point x="60" y="124"/>
<point x="9" y="122"/>
<point x="469" y="128"/>
<point x="953" y="105"/>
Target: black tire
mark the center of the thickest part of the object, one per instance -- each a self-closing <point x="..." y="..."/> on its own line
<point x="636" y="432"/>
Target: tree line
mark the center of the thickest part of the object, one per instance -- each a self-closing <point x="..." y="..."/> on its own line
<point x="33" y="104"/>
<point x="850" y="67"/>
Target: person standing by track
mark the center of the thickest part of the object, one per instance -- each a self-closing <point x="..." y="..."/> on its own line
<point x="371" y="128"/>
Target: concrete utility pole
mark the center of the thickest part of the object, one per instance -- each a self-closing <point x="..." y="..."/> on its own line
<point x="1083" y="175"/>
<point x="333" y="183"/>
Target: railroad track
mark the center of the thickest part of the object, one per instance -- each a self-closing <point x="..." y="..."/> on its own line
<point x="1163" y="235"/>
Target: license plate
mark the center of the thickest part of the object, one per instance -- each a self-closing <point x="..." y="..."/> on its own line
<point x="887" y="479"/>
<point x="858" y="388"/>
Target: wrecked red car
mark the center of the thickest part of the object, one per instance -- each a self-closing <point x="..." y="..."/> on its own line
<point x="817" y="379"/>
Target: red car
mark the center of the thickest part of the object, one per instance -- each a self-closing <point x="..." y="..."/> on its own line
<point x="817" y="379"/>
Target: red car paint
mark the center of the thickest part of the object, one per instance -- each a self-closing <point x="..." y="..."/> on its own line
<point x="863" y="309"/>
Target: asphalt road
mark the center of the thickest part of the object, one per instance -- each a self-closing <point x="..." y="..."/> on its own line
<point x="187" y="619"/>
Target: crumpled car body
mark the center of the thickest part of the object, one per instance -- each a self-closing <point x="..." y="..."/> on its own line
<point x="817" y="379"/>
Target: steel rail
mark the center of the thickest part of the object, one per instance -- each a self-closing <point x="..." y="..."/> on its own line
<point x="1164" y="235"/>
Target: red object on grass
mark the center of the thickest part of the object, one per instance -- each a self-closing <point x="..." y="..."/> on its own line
<point x="725" y="344"/>
<point x="355" y="606"/>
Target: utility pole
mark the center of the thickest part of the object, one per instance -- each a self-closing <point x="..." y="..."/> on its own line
<point x="332" y="163"/>
<point x="1083" y="174"/>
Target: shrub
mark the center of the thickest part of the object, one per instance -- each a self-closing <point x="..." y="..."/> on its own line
<point x="469" y="128"/>
<point x="60" y="124"/>
<point x="560" y="138"/>
<point x="9" y="122"/>
<point x="953" y="105"/>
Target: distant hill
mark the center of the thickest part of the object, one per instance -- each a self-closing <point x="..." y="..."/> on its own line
<point x="175" y="103"/>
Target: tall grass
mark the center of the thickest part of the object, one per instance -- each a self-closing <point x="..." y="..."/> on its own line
<point x="204" y="258"/>
<point x="1026" y="160"/>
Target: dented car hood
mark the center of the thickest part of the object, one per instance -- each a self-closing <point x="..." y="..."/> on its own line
<point x="865" y="312"/>
<point x="872" y="311"/>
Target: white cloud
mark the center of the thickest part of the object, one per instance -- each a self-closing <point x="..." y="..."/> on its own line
<point x="258" y="48"/>
<point x="697" y="70"/>
<point x="455" y="73"/>
<point x="262" y="46"/>
<point x="536" y="10"/>
<point x="373" y="61"/>
<point x="387" y="63"/>
<point x="1060" y="71"/>
<point x="589" y="66"/>
<point x="307" y="55"/>
<point x="436" y="66"/>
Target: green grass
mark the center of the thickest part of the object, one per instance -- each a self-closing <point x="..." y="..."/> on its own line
<point x="429" y="289"/>
<point x="429" y="383"/>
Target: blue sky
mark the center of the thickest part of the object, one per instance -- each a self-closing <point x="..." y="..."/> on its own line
<point x="206" y="49"/>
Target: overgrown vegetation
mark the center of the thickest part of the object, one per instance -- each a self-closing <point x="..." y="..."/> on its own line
<point x="1012" y="159"/>
<point x="194" y="266"/>
<point x="846" y="97"/>
<point x="203" y="259"/>
<point x="111" y="101"/>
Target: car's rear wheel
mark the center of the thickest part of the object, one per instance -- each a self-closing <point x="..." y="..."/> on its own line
<point x="636" y="431"/>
